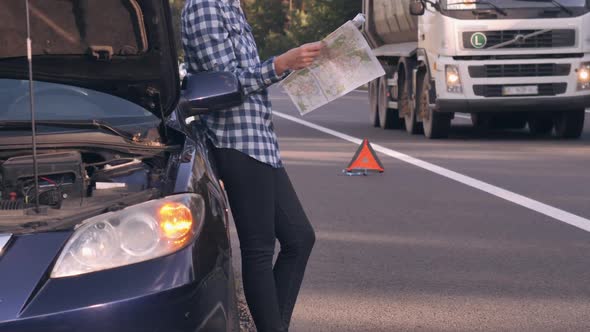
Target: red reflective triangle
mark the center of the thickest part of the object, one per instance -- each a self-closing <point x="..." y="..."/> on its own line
<point x="365" y="159"/>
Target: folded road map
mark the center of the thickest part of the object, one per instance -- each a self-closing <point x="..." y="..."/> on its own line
<point x="346" y="63"/>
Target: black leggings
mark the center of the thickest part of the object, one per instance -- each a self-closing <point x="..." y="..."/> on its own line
<point x="265" y="208"/>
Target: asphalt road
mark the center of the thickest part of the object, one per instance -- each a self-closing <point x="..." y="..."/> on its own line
<point x="474" y="235"/>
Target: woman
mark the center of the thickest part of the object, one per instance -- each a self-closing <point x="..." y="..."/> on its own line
<point x="216" y="37"/>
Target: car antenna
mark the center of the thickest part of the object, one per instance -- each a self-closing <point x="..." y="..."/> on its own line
<point x="32" y="107"/>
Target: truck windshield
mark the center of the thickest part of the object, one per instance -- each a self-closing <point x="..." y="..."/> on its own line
<point x="510" y="4"/>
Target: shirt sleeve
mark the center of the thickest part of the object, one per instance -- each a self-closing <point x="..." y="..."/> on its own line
<point x="207" y="41"/>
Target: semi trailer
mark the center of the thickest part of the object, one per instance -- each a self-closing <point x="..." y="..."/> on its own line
<point x="508" y="63"/>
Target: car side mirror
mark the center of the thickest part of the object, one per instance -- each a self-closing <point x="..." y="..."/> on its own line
<point x="209" y="91"/>
<point x="417" y="8"/>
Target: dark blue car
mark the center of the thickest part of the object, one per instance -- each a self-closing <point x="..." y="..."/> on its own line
<point x="117" y="222"/>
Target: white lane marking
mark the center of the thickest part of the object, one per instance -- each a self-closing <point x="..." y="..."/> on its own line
<point x="462" y="116"/>
<point x="550" y="211"/>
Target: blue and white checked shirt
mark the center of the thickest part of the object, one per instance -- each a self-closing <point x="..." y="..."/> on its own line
<point x="216" y="37"/>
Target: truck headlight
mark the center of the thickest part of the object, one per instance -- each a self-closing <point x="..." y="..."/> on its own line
<point x="454" y="84"/>
<point x="584" y="76"/>
<point x="138" y="233"/>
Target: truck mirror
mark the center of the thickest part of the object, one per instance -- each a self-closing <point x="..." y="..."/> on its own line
<point x="417" y="8"/>
<point x="209" y="91"/>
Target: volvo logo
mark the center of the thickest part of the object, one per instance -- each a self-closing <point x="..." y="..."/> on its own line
<point x="3" y="241"/>
<point x="479" y="40"/>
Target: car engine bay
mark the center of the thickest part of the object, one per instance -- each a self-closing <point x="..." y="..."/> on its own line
<point x="70" y="180"/>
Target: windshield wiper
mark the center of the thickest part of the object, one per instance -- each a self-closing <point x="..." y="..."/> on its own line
<point x="78" y="124"/>
<point x="555" y="3"/>
<point x="495" y="7"/>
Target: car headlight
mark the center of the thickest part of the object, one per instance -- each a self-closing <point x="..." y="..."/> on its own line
<point x="135" y="234"/>
<point x="584" y="76"/>
<point x="454" y="84"/>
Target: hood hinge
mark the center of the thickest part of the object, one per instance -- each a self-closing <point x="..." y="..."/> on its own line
<point x="157" y="104"/>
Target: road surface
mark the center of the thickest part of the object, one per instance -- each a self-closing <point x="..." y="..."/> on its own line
<point x="472" y="233"/>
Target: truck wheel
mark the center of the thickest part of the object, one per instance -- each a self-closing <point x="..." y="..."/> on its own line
<point x="514" y="121"/>
<point x="406" y="108"/>
<point x="435" y="124"/>
<point x="481" y="121"/>
<point x="509" y="120"/>
<point x="540" y="124"/>
<point x="569" y="124"/>
<point x="373" y="104"/>
<point x="388" y="117"/>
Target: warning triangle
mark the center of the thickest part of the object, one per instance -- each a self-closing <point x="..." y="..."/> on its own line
<point x="365" y="160"/>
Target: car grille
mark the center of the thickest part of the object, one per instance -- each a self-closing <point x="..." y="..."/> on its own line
<point x="553" y="38"/>
<point x="520" y="70"/>
<point x="546" y="89"/>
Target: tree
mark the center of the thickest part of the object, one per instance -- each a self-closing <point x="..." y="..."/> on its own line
<point x="278" y="25"/>
<point x="176" y="9"/>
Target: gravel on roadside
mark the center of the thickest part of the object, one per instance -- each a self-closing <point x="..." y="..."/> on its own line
<point x="246" y="322"/>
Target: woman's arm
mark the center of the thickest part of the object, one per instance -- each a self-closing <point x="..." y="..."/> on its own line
<point x="206" y="40"/>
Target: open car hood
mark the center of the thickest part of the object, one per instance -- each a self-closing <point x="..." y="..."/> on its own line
<point x="121" y="47"/>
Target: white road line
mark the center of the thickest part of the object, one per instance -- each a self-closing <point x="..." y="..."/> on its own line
<point x="462" y="116"/>
<point x="515" y="198"/>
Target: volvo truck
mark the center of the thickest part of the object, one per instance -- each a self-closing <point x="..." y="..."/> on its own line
<point x="508" y="63"/>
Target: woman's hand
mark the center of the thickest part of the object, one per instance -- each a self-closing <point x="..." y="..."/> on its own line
<point x="298" y="58"/>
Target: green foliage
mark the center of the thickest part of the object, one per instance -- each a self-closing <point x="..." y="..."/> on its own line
<point x="279" y="25"/>
<point x="300" y="21"/>
<point x="176" y="9"/>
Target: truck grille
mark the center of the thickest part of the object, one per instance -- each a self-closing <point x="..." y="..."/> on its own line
<point x="546" y="89"/>
<point x="553" y="38"/>
<point x="520" y="70"/>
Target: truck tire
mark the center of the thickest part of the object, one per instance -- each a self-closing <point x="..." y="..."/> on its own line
<point x="516" y="120"/>
<point x="373" y="101"/>
<point x="435" y="124"/>
<point x="569" y="124"/>
<point x="481" y="121"/>
<point x="487" y="121"/>
<point x="388" y="117"/>
<point x="408" y="110"/>
<point x="540" y="124"/>
<point x="405" y="106"/>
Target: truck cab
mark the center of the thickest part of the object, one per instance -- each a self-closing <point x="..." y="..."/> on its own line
<point x="508" y="63"/>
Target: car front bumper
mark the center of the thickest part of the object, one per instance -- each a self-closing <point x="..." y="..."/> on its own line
<point x="182" y="309"/>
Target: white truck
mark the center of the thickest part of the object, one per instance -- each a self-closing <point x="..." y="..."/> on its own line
<point x="508" y="63"/>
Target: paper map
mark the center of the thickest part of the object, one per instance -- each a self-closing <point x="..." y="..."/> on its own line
<point x="345" y="64"/>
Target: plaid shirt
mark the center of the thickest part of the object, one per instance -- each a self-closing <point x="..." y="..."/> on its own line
<point x="216" y="37"/>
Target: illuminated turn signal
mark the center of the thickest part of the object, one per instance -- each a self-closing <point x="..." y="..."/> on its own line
<point x="176" y="220"/>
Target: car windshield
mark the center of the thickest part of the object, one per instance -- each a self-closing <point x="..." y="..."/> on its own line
<point x="63" y="102"/>
<point x="509" y="4"/>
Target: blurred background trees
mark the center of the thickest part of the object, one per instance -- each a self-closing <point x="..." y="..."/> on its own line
<point x="279" y="25"/>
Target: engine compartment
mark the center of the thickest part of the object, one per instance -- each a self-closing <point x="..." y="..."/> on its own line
<point x="72" y="179"/>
